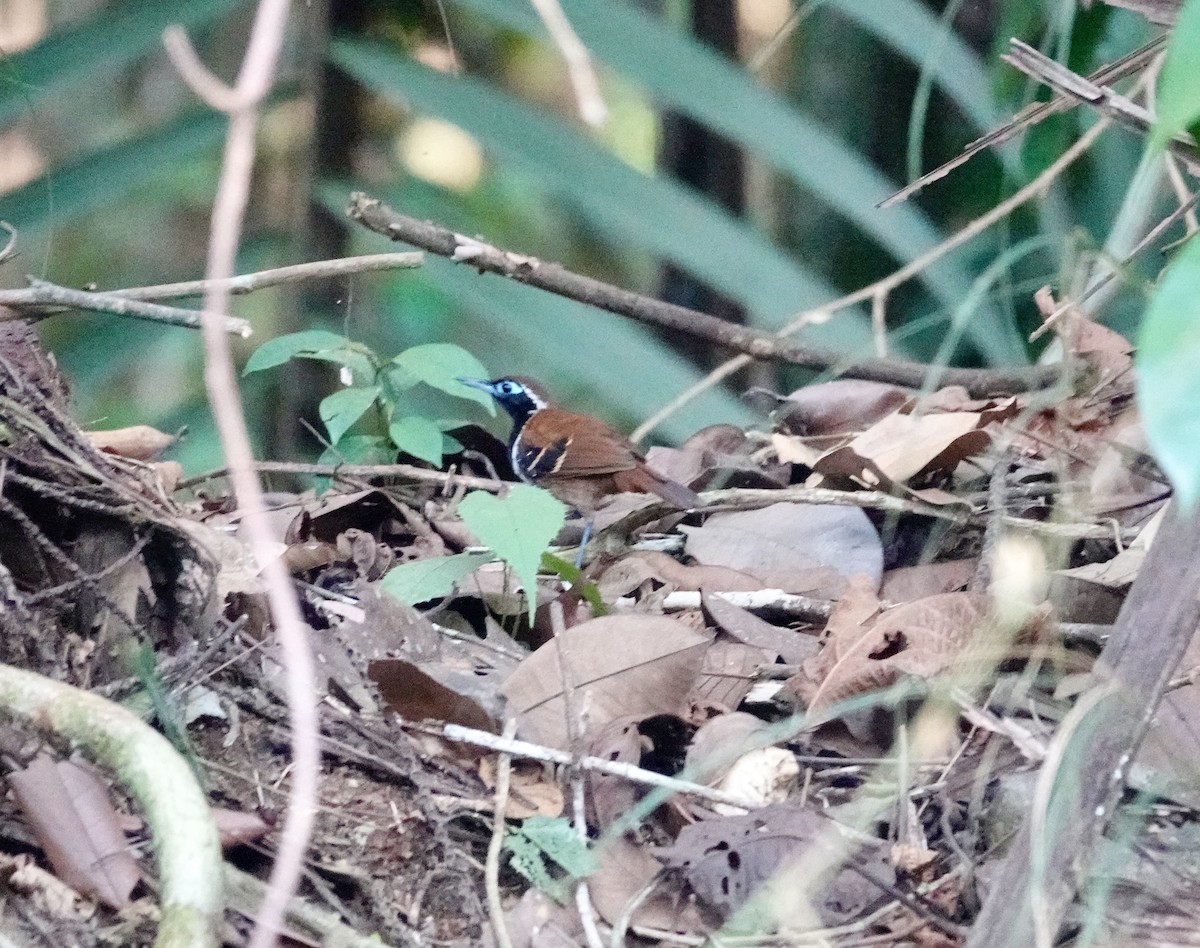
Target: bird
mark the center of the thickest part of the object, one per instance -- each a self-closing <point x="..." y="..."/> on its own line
<point x="578" y="458"/>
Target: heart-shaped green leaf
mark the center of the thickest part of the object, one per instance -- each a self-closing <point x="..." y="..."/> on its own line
<point x="1168" y="386"/>
<point x="419" y="436"/>
<point x="277" y="351"/>
<point x="440" y="364"/>
<point x="422" y="580"/>
<point x="344" y="407"/>
<point x="517" y="528"/>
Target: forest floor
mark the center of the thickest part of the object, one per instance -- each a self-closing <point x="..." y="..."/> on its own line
<point x="847" y="702"/>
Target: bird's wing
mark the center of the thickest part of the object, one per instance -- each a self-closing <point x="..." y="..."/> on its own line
<point x="558" y="443"/>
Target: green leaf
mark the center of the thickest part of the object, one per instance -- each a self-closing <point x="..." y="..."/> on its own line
<point x="1168" y="385"/>
<point x="361" y="365"/>
<point x="558" y="840"/>
<point x="419" y="436"/>
<point x="279" y="350"/>
<point x="1179" y="81"/>
<point x="571" y="573"/>
<point x="360" y="449"/>
<point x="344" y="407"/>
<point x="433" y="578"/>
<point x="440" y="364"/>
<point x="517" y="528"/>
<point x="526" y="858"/>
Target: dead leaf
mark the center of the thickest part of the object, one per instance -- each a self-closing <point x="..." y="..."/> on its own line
<point x="533" y="791"/>
<point x="236" y="828"/>
<point x="866" y="653"/>
<point x="809" y="549"/>
<point x="71" y="815"/>
<point x="435" y="692"/>
<point x="620" y="665"/>
<point x="729" y="860"/>
<point x="837" y="407"/>
<point x="791" y="646"/>
<point x="730" y="670"/>
<point x="139" y="442"/>
<point x="625" y="869"/>
<point x="901" y="447"/>
<point x="909" y="583"/>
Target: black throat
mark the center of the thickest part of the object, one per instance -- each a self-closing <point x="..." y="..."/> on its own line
<point x="520" y="408"/>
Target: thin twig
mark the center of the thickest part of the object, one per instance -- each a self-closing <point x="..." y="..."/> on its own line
<point x="1031" y="115"/>
<point x="40" y="294"/>
<point x="277" y="276"/>
<point x="491" y="874"/>
<point x="574" y="715"/>
<point x="530" y="751"/>
<point x="407" y="471"/>
<point x="579" y="64"/>
<point x="254" y="80"/>
<point x="754" y="343"/>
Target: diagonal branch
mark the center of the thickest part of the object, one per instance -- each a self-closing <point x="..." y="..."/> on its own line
<point x="754" y="343"/>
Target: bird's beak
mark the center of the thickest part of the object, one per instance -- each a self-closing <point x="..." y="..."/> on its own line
<point x="482" y="384"/>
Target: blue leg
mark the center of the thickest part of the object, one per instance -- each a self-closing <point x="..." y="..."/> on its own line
<point x="587" y="535"/>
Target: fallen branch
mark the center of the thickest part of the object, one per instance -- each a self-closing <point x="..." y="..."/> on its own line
<point x="753" y="343"/>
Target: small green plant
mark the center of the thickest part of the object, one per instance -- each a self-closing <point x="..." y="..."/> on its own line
<point x="370" y="383"/>
<point x="550" y="854"/>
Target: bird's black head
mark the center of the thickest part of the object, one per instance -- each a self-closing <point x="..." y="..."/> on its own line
<point x="519" y="397"/>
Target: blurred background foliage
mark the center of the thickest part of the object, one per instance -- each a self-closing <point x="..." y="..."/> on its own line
<point x="747" y="144"/>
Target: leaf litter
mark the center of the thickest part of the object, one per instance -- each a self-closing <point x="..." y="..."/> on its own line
<point x="835" y="765"/>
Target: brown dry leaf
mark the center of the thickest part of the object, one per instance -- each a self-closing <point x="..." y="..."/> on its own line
<point x="71" y="815"/>
<point x="236" y="828"/>
<point x="838" y="407"/>
<point x="909" y="583"/>
<point x="902" y="446"/>
<point x="726" y="861"/>
<point x="793" y="449"/>
<point x="169" y="474"/>
<point x="532" y="788"/>
<point x="620" y="665"/>
<point x="791" y="646"/>
<point x="729" y="671"/>
<point x="139" y="442"/>
<point x="810" y="549"/>
<point x="436" y="692"/>
<point x="625" y="869"/>
<point x="921" y="638"/>
<point x="610" y="797"/>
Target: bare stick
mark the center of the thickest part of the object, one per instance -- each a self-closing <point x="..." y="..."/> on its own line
<point x="41" y="294"/>
<point x="579" y="65"/>
<point x="755" y="343"/>
<point x="491" y="874"/>
<point x="408" y="471"/>
<point x="296" y="273"/>
<point x="529" y="751"/>
<point x="233" y="190"/>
